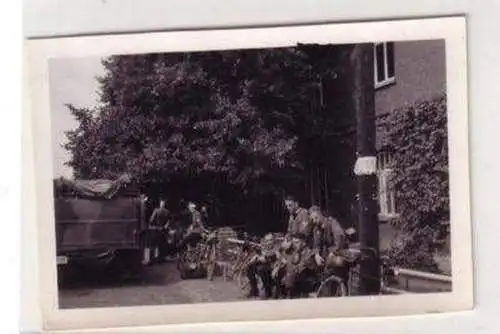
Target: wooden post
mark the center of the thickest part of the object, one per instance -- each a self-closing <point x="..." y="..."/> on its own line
<point x="365" y="167"/>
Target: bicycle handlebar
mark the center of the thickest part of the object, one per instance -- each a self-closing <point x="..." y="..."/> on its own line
<point x="243" y="242"/>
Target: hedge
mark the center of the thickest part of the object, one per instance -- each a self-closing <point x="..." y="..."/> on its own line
<point x="419" y="140"/>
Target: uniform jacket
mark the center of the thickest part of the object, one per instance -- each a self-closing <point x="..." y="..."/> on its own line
<point x="160" y="217"/>
<point x="328" y="234"/>
<point x="196" y="222"/>
<point x="297" y="260"/>
<point x="299" y="222"/>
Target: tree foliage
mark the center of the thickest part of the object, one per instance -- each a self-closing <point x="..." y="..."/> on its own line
<point x="418" y="134"/>
<point x="239" y="123"/>
<point x="161" y="117"/>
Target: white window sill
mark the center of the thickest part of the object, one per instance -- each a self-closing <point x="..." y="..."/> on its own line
<point x="385" y="83"/>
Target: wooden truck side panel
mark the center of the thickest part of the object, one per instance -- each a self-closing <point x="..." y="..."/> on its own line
<point x="89" y="224"/>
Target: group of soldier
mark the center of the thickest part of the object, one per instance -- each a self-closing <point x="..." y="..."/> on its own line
<point x="313" y="244"/>
<point x="167" y="231"/>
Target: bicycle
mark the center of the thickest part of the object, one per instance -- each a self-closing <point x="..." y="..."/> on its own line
<point x="200" y="258"/>
<point x="245" y="254"/>
<point x="316" y="281"/>
<point x="335" y="286"/>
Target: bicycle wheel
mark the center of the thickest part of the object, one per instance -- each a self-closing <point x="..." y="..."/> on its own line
<point x="238" y="263"/>
<point x="182" y="264"/>
<point x="237" y="267"/>
<point x="211" y="263"/>
<point x="233" y="271"/>
<point x="333" y="286"/>
<point x="353" y="283"/>
<point x="244" y="283"/>
<point x="181" y="260"/>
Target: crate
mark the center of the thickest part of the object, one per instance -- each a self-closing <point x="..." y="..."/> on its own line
<point x="225" y="250"/>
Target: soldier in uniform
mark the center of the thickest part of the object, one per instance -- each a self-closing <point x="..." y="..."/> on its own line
<point x="329" y="242"/>
<point x="261" y="265"/>
<point x="284" y="256"/>
<point x="295" y="270"/>
<point x="328" y="235"/>
<point x="196" y="228"/>
<point x="159" y="222"/>
<point x="301" y="269"/>
<point x="298" y="222"/>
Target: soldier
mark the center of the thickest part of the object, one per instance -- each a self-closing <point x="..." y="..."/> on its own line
<point x="196" y="228"/>
<point x="196" y="218"/>
<point x="261" y="265"/>
<point x="301" y="270"/>
<point x="296" y="268"/>
<point x="160" y="216"/>
<point x="329" y="242"/>
<point x="284" y="257"/>
<point x="298" y="222"/>
<point x="328" y="235"/>
<point x="159" y="221"/>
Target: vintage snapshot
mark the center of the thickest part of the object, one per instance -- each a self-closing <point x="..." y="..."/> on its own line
<point x="252" y="174"/>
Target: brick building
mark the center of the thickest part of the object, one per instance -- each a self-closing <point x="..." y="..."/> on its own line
<point x="405" y="72"/>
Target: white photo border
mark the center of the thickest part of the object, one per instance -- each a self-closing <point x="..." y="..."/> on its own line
<point x="451" y="29"/>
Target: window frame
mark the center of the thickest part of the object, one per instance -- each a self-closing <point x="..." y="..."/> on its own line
<point x="386" y="194"/>
<point x="387" y="80"/>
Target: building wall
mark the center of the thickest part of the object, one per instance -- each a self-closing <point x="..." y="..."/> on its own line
<point x="420" y="73"/>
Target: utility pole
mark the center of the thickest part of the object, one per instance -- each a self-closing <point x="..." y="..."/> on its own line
<point x="362" y="64"/>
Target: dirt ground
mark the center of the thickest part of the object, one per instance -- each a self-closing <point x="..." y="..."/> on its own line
<point x="160" y="285"/>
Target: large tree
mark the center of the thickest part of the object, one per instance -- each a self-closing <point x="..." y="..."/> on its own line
<point x="161" y="116"/>
<point x="302" y="90"/>
<point x="241" y="124"/>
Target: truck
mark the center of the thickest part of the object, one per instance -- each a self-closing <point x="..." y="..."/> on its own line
<point x="100" y="227"/>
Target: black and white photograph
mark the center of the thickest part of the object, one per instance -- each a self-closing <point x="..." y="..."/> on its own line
<point x="301" y="171"/>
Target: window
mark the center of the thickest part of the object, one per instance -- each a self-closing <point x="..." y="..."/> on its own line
<point x="386" y="194"/>
<point x="384" y="64"/>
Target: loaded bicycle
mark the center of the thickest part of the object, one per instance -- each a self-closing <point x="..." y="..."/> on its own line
<point x="247" y="253"/>
<point x="335" y="285"/>
<point x="198" y="258"/>
<point x="244" y="256"/>
<point x="339" y="281"/>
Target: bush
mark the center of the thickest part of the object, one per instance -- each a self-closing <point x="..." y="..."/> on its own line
<point x="414" y="251"/>
<point x="418" y="137"/>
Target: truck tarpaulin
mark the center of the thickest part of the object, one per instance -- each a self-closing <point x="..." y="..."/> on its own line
<point x="99" y="188"/>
